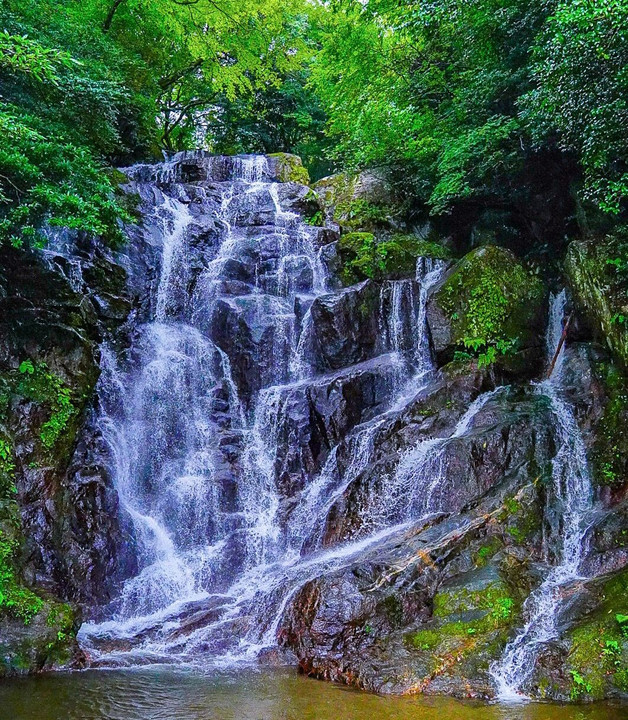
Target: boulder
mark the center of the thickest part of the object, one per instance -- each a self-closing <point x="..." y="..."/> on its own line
<point x="364" y="201"/>
<point x="489" y="304"/>
<point x="599" y="293"/>
<point x="345" y="328"/>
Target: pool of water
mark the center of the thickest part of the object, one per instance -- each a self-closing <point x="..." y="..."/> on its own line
<point x="166" y="694"/>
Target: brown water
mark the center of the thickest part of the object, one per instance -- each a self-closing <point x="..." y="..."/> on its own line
<point x="164" y="694"/>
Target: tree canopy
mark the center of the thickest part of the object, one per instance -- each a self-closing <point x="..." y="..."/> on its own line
<point x="473" y="104"/>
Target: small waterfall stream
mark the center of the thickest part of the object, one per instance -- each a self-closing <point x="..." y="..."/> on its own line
<point x="571" y="493"/>
<point x="197" y="419"/>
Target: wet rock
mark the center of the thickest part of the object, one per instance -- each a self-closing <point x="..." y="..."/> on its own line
<point x="589" y="661"/>
<point x="598" y="293"/>
<point x="505" y="438"/>
<point x="488" y="303"/>
<point x="345" y="328"/>
<point x="312" y="417"/>
<point x="45" y="642"/>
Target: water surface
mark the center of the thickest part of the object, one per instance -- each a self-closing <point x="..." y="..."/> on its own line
<point x="166" y="694"/>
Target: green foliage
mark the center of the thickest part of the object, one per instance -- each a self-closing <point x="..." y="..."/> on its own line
<point x="39" y="384"/>
<point x="286" y="117"/>
<point x="365" y="256"/>
<point x="7" y="468"/>
<point x="35" y="382"/>
<point x="465" y="99"/>
<point x="580" y="89"/>
<point x="19" y="53"/>
<point x="580" y="685"/>
<point x="431" y="88"/>
<point x="490" y="298"/>
<point x="88" y="83"/>
<point x="48" y="182"/>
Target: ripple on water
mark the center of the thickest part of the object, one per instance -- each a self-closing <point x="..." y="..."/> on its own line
<point x="162" y="693"/>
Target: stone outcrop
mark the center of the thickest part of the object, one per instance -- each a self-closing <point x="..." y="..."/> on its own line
<point x="488" y="302"/>
<point x="435" y="489"/>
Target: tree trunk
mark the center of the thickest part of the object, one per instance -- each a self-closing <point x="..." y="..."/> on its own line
<point x="112" y="11"/>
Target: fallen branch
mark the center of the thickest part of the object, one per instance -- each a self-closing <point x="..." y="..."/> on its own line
<point x="561" y="342"/>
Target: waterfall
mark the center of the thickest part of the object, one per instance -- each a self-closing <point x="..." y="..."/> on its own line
<point x="571" y="492"/>
<point x="197" y="414"/>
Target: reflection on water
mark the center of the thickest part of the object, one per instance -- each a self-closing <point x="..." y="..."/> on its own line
<point x="165" y="694"/>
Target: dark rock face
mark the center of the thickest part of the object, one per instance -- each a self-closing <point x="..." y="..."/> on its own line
<point x="313" y="417"/>
<point x="345" y="328"/>
<point x="46" y="320"/>
<point x="56" y="306"/>
<point x="378" y="624"/>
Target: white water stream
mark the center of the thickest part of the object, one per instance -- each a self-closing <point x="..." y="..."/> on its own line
<point x="571" y="493"/>
<point x="219" y="554"/>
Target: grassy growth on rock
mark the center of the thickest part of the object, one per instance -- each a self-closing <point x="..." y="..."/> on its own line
<point x="597" y="660"/>
<point x="34" y="382"/>
<point x="365" y="256"/>
<point x="492" y="302"/>
<point x="468" y="621"/>
<point x="610" y="451"/>
<point x="598" y="274"/>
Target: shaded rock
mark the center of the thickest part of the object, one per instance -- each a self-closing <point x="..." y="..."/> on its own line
<point x="358" y="202"/>
<point x="345" y="328"/>
<point x="488" y="303"/>
<point x="312" y="417"/>
<point x="46" y="642"/>
<point x="599" y="293"/>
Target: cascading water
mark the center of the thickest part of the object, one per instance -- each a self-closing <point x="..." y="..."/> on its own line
<point x="572" y="494"/>
<point x="196" y="416"/>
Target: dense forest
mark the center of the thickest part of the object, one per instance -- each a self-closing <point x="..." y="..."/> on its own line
<point x="385" y="244"/>
<point x="481" y="109"/>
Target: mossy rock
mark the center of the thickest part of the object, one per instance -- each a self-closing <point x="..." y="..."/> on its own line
<point x="360" y="202"/>
<point x="599" y="283"/>
<point x="472" y="621"/>
<point x="46" y="642"/>
<point x="363" y="256"/>
<point x="289" y="168"/>
<point x="591" y="662"/>
<point x="490" y="306"/>
<point x="610" y="448"/>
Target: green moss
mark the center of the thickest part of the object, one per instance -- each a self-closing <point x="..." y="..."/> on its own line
<point x="598" y="274"/>
<point x="424" y="639"/>
<point x="393" y="610"/>
<point x="15" y="599"/>
<point x="492" y="301"/>
<point x="598" y="648"/>
<point x="520" y="520"/>
<point x="290" y="168"/>
<point x="486" y="552"/>
<point x="364" y="256"/>
<point x="511" y="505"/>
<point x="37" y="383"/>
<point x="610" y="451"/>
<point x="494" y="600"/>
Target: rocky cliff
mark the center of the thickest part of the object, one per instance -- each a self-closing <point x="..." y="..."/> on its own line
<point x="284" y="415"/>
